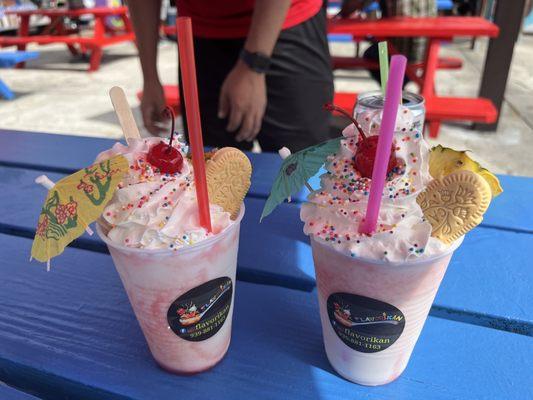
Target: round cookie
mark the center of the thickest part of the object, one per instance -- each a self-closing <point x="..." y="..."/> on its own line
<point x="455" y="204"/>
<point x="228" y="179"/>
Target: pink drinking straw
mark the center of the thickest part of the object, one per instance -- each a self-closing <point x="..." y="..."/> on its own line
<point x="386" y="132"/>
<point x="190" y="94"/>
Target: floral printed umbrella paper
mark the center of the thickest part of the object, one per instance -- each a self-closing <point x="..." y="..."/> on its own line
<point x="73" y="203"/>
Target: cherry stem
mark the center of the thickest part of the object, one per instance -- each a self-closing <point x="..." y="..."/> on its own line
<point x="332" y="107"/>
<point x="170" y="112"/>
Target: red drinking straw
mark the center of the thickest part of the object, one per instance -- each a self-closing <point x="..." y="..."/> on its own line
<point x="393" y="95"/>
<point x="190" y="94"/>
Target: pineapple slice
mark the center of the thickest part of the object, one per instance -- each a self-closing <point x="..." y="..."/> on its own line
<point x="443" y="161"/>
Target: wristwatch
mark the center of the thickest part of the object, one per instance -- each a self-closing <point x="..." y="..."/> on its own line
<point x="258" y="62"/>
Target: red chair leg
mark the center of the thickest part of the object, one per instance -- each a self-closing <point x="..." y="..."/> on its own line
<point x="97" y="50"/>
<point x="24" y="30"/>
<point x="96" y="57"/>
<point x="431" y="62"/>
<point x="73" y="50"/>
<point x="434" y="127"/>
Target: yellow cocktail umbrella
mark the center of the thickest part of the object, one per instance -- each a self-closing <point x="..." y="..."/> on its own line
<point x="73" y="203"/>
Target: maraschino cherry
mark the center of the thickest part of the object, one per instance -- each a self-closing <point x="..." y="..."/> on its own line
<point x="366" y="147"/>
<point x="366" y="154"/>
<point x="163" y="156"/>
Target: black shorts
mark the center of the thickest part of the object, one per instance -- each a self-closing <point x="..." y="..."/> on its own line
<point x="299" y="82"/>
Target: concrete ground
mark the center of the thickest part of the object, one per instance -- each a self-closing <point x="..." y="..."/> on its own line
<point x="55" y="94"/>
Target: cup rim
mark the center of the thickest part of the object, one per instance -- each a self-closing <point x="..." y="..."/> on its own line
<point x="425" y="260"/>
<point x="422" y="100"/>
<point x="204" y="243"/>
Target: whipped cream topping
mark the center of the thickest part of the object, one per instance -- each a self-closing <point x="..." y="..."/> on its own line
<point x="333" y="213"/>
<point x="153" y="210"/>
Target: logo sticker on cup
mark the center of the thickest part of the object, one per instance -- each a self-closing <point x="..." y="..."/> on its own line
<point x="200" y="313"/>
<point x="364" y="324"/>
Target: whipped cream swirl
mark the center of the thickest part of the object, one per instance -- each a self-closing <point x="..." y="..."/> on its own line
<point x="153" y="210"/>
<point x="333" y="213"/>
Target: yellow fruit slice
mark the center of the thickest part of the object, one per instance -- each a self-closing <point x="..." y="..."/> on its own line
<point x="443" y="161"/>
<point x="493" y="182"/>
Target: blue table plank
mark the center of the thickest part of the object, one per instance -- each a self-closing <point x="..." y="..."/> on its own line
<point x="60" y="153"/>
<point x="9" y="393"/>
<point x="276" y="250"/>
<point x="487" y="282"/>
<point x="513" y="209"/>
<point x="66" y="154"/>
<point x="71" y="333"/>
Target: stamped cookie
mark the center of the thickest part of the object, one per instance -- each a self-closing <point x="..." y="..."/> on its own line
<point x="455" y="204"/>
<point x="228" y="179"/>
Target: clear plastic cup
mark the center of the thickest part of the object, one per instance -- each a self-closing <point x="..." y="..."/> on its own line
<point x="183" y="299"/>
<point x="372" y="312"/>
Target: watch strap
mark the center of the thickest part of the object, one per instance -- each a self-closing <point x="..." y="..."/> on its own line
<point x="258" y="62"/>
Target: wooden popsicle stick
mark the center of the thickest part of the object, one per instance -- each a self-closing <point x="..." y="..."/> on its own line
<point x="124" y="114"/>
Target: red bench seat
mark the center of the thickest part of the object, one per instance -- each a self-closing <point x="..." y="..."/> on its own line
<point x="439" y="109"/>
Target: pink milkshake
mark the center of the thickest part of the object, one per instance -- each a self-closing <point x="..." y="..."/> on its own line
<point x="375" y="291"/>
<point x="159" y="282"/>
<point x="372" y="312"/>
<point x="180" y="278"/>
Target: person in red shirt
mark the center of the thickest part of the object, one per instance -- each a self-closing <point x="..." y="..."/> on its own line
<point x="263" y="70"/>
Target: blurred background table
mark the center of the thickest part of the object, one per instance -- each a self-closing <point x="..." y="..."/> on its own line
<point x="100" y="36"/>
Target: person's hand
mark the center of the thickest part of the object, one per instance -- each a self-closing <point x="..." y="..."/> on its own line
<point x="242" y="101"/>
<point x="152" y="108"/>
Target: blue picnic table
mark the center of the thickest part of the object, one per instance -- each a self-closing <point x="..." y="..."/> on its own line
<point x="71" y="333"/>
<point x="10" y="60"/>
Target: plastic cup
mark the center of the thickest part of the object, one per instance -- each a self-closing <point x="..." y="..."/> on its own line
<point x="372" y="312"/>
<point x="162" y="283"/>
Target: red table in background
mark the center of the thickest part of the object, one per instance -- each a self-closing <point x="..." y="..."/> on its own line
<point x="102" y="36"/>
<point x="436" y="30"/>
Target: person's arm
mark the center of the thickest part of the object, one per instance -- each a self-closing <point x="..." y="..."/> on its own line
<point x="243" y="95"/>
<point x="145" y="16"/>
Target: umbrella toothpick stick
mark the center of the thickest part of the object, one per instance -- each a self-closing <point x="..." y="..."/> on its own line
<point x="284" y="152"/>
<point x="48" y="184"/>
<point x="124" y="114"/>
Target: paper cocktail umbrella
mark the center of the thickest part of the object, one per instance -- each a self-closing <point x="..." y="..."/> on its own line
<point x="296" y="170"/>
<point x="73" y="203"/>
